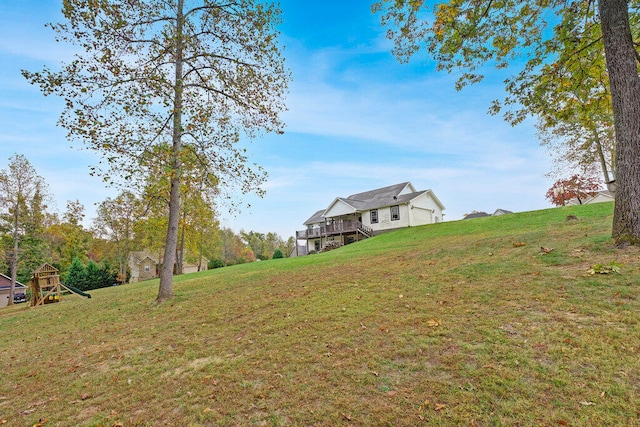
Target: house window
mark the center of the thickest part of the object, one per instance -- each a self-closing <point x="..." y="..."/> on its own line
<point x="374" y="216"/>
<point x="146" y="268"/>
<point x="395" y="213"/>
<point x="317" y="245"/>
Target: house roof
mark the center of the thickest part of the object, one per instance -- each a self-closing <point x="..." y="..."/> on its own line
<point x="315" y="218"/>
<point x="601" y="196"/>
<point x="5" y="282"/>
<point x="383" y="193"/>
<point x="138" y="256"/>
<point x="501" y="212"/>
<point x="475" y="215"/>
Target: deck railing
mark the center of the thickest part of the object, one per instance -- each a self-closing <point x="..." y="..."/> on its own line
<point x="334" y="228"/>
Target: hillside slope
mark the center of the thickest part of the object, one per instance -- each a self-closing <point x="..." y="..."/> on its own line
<point x="491" y="321"/>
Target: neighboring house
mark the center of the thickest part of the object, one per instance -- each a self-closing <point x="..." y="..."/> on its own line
<point x="480" y="214"/>
<point x="362" y="215"/>
<point x="192" y="268"/>
<point x="499" y="212"/>
<point x="475" y="214"/>
<point x="601" y="196"/>
<point x="5" y="289"/>
<point x="142" y="266"/>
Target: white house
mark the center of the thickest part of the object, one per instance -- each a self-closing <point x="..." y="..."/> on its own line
<point x="601" y="196"/>
<point x="362" y="215"/>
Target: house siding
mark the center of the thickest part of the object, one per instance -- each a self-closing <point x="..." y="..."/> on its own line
<point x="384" y="219"/>
<point x="339" y="208"/>
<point x="425" y="210"/>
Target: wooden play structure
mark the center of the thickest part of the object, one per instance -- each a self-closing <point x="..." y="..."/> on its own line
<point x="45" y="286"/>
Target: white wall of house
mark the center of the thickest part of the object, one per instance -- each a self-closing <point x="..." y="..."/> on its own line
<point x="385" y="221"/>
<point x="339" y="208"/>
<point x="420" y="215"/>
<point x="425" y="210"/>
<point x="408" y="189"/>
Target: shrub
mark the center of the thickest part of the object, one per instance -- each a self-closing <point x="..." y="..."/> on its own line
<point x="330" y="245"/>
<point x="277" y="254"/>
<point x="215" y="263"/>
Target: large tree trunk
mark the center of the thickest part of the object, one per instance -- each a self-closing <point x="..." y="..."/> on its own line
<point x="165" y="291"/>
<point x="625" y="94"/>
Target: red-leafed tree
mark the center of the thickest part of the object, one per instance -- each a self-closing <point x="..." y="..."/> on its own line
<point x="577" y="187"/>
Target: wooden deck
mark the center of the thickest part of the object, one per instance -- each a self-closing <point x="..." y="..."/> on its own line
<point x="343" y="227"/>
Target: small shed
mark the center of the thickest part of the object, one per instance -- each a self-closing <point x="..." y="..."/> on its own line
<point x="45" y="285"/>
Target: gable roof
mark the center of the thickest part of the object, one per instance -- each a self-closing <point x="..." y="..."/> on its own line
<point x="45" y="268"/>
<point x="501" y="212"/>
<point x="138" y="256"/>
<point x="315" y="218"/>
<point x="475" y="215"/>
<point x="383" y="193"/>
<point x="601" y="196"/>
<point x="5" y="282"/>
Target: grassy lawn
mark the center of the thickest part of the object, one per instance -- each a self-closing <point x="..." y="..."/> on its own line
<point x="458" y="323"/>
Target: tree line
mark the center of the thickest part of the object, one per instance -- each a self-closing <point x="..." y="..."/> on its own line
<point x="96" y="255"/>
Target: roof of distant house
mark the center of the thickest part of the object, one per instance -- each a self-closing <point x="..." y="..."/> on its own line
<point x="139" y="256"/>
<point x="501" y="212"/>
<point x="5" y="282"/>
<point x="475" y="215"/>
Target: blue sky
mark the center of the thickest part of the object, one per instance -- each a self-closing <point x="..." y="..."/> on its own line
<point x="357" y="120"/>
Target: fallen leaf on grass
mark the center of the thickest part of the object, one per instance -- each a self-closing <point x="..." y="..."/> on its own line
<point x="587" y="403"/>
<point x="346" y="417"/>
<point x="40" y="423"/>
<point x="612" y="267"/>
<point x="544" y="251"/>
<point x="391" y="393"/>
<point x="207" y="409"/>
<point x="433" y="323"/>
<point x="440" y="406"/>
<point x="518" y="244"/>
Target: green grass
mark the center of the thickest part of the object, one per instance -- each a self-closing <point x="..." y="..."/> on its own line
<point x="457" y="323"/>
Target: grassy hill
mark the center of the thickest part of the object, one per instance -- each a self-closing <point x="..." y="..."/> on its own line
<point x="458" y="323"/>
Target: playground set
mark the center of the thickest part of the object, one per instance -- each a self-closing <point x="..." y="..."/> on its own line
<point x="46" y="288"/>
